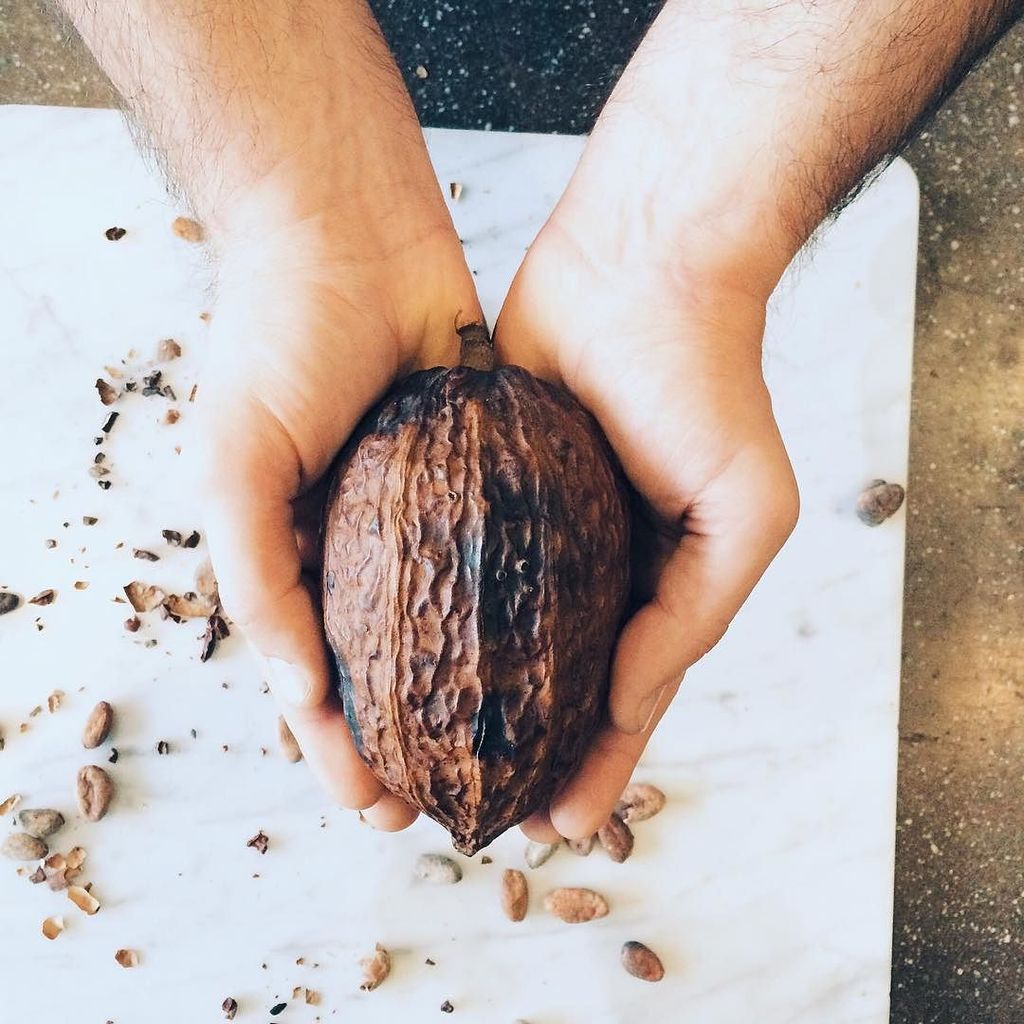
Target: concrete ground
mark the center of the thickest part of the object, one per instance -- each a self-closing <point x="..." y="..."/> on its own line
<point x="958" y="955"/>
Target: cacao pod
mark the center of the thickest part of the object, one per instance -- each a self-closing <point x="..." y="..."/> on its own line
<point x="476" y="551"/>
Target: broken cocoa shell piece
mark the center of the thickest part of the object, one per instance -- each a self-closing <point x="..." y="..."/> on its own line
<point x="132" y="624"/>
<point x="144" y="597"/>
<point x="216" y="630"/>
<point x="259" y="842"/>
<point x="878" y="502"/>
<point x="106" y="391"/>
<point x="172" y="537"/>
<point x="446" y="1007"/>
<point x="188" y="229"/>
<point x="127" y="957"/>
<point x="8" y="601"/>
<point x="206" y="582"/>
<point x="190" y="606"/>
<point x="163" y="747"/>
<point x="229" y="1007"/>
<point x="376" y="968"/>
<point x="8" y="805"/>
<point x="192" y="540"/>
<point x="642" y="962"/>
<point x="525" y="512"/>
<point x="167" y="350"/>
<point x="83" y="899"/>
<point x="37" y="876"/>
<point x="43" y="598"/>
<point x="146" y="556"/>
<point x="575" y="906"/>
<point x="114" y="234"/>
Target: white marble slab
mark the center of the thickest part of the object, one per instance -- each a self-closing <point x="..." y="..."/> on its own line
<point x="766" y="885"/>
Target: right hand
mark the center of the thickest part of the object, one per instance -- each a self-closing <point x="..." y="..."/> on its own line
<point x="316" y="315"/>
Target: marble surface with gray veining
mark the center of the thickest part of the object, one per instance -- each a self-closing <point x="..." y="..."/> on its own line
<point x="765" y="885"/>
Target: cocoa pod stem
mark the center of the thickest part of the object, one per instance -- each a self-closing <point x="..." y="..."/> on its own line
<point x="477" y="349"/>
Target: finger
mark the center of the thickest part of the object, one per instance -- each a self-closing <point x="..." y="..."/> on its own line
<point x="733" y="533"/>
<point x="588" y="799"/>
<point x="249" y="526"/>
<point x="538" y="827"/>
<point x="390" y="814"/>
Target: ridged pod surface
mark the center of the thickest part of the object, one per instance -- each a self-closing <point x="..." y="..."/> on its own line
<point x="476" y="549"/>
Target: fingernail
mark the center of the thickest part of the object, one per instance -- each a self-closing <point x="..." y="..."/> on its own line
<point x="648" y="708"/>
<point x="287" y="682"/>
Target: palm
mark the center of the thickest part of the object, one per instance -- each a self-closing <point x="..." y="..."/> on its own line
<point x="675" y="383"/>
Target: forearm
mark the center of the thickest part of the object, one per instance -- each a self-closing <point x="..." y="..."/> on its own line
<point x="275" y="109"/>
<point x="744" y="122"/>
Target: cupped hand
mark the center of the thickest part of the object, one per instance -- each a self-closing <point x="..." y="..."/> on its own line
<point x="315" y="317"/>
<point x="669" y="362"/>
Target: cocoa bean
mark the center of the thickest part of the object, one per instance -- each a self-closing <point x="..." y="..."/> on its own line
<point x="97" y="725"/>
<point x="642" y="962"/>
<point x="514" y="894"/>
<point x="22" y="846"/>
<point x="617" y="838"/>
<point x="878" y="502"/>
<point x="575" y="906"/>
<point x="437" y="869"/>
<point x="95" y="791"/>
<point x="539" y="853"/>
<point x="376" y="968"/>
<point x="639" y="801"/>
<point x="40" y="823"/>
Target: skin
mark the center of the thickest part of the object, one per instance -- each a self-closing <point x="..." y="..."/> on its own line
<point x="736" y="128"/>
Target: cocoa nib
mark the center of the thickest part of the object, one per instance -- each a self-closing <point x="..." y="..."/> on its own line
<point x="8" y="601"/>
<point x="114" y="234"/>
<point x="216" y="630"/>
<point x="151" y="384"/>
<point x="144" y="555"/>
<point x="192" y="540"/>
<point x="108" y="423"/>
<point x="172" y="537"/>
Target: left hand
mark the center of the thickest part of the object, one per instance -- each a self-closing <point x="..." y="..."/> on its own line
<point x="669" y="362"/>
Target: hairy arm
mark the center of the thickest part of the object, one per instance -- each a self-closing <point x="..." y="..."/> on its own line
<point x="268" y="109"/>
<point x="747" y="121"/>
<point x="737" y="127"/>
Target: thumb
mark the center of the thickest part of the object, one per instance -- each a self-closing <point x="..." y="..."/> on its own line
<point x="251" y="473"/>
<point x="734" y="530"/>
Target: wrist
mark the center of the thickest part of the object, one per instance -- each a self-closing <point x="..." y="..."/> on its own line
<point x="705" y="220"/>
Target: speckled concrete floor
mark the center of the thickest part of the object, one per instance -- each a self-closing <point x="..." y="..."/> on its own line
<point x="958" y="955"/>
